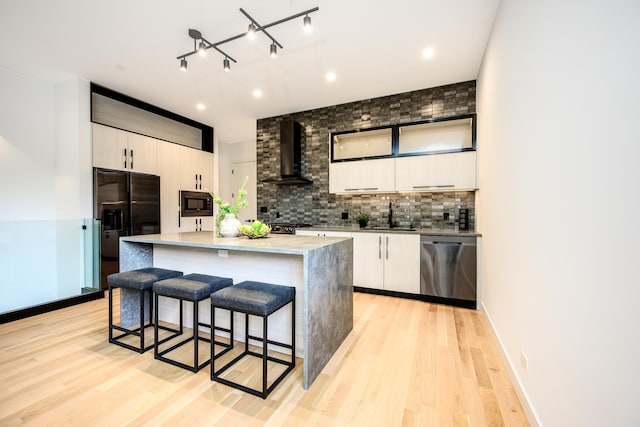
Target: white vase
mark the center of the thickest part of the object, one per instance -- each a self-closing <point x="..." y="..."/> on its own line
<point x="229" y="226"/>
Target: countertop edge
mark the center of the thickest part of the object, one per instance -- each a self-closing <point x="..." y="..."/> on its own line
<point x="198" y="240"/>
<point x="419" y="231"/>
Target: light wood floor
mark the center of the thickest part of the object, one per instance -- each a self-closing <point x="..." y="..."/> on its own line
<point x="406" y="363"/>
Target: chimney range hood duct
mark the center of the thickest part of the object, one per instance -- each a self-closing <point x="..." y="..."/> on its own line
<point x="290" y="155"/>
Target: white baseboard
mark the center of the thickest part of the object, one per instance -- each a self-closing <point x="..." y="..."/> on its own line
<point x="515" y="380"/>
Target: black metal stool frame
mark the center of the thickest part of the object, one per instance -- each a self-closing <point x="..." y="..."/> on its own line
<point x="139" y="331"/>
<point x="215" y="374"/>
<point x="195" y="337"/>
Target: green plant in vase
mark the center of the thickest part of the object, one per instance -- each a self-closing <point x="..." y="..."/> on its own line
<point x="362" y="219"/>
<point x="226" y="208"/>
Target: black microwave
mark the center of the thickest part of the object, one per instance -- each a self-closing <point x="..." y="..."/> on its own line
<point x="196" y="203"/>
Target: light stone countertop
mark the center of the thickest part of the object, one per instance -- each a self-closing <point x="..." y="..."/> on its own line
<point x="400" y="230"/>
<point x="273" y="243"/>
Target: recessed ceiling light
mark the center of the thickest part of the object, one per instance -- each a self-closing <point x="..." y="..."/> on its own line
<point x="428" y="53"/>
<point x="200" y="106"/>
<point x="331" y="76"/>
<point x="257" y="93"/>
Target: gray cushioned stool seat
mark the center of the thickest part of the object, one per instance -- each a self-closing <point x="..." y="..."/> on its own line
<point x="143" y="278"/>
<point x="141" y="281"/>
<point x="192" y="287"/>
<point x="255" y="299"/>
<point x="258" y="298"/>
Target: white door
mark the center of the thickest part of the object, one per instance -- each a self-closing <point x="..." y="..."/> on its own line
<point x="238" y="173"/>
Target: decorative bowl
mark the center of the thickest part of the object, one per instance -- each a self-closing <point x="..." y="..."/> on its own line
<point x="254" y="234"/>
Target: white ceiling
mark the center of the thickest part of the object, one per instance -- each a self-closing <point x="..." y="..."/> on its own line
<point x="375" y="49"/>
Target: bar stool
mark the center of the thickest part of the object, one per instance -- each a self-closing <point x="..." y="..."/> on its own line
<point x="261" y="300"/>
<point x="140" y="280"/>
<point x="195" y="288"/>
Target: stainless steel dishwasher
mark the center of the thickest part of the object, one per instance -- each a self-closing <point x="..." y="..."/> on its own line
<point x="448" y="269"/>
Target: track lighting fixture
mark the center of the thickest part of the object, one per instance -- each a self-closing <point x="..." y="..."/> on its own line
<point x="253" y="28"/>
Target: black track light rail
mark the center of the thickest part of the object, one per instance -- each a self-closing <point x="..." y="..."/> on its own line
<point x="196" y="35"/>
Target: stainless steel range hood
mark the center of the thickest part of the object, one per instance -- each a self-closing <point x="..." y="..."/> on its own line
<point x="290" y="155"/>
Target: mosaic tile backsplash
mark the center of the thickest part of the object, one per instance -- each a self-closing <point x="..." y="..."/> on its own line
<point x="313" y="204"/>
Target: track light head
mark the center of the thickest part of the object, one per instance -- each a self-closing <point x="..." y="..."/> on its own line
<point x="183" y="65"/>
<point x="273" y="50"/>
<point x="251" y="31"/>
<point x="226" y="65"/>
<point x="307" y="24"/>
<point x="202" y="49"/>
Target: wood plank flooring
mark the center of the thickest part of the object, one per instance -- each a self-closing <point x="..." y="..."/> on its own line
<point x="406" y="363"/>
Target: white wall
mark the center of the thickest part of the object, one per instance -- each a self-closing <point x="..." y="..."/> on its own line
<point x="559" y="153"/>
<point x="27" y="133"/>
<point x="45" y="188"/>
<point x="228" y="155"/>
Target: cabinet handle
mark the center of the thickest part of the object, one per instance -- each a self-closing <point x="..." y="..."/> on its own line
<point x="131" y="152"/>
<point x="445" y="186"/>
<point x="125" y="158"/>
<point x="351" y="189"/>
<point x="379" y="247"/>
<point x="422" y="186"/>
<point x="370" y="188"/>
<point x="387" y="245"/>
<point x="200" y="178"/>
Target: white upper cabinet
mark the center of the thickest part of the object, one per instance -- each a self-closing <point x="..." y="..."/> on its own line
<point x="121" y="150"/>
<point x="434" y="137"/>
<point x="432" y="155"/>
<point x="363" y="144"/>
<point x="197" y="169"/>
<point x="437" y="172"/>
<point x="143" y="154"/>
<point x="362" y="176"/>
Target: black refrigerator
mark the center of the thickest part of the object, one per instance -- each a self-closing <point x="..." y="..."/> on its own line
<point x="127" y="204"/>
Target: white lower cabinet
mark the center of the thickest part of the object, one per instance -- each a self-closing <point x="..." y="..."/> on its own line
<point x="387" y="261"/>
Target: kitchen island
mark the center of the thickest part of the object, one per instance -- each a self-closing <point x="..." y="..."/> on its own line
<point x="321" y="269"/>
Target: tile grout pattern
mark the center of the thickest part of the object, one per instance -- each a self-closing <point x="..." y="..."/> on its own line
<point x="313" y="204"/>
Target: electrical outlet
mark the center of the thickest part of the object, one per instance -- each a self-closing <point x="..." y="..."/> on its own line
<point x="223" y="253"/>
<point x="264" y="209"/>
<point x="345" y="215"/>
<point x="445" y="216"/>
<point x="524" y="361"/>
